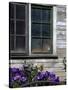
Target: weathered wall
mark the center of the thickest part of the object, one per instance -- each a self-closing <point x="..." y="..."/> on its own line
<point x="53" y="65"/>
<point x="61" y="31"/>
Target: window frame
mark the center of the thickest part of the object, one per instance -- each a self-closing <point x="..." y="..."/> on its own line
<point x="49" y="22"/>
<point x="54" y="13"/>
<point x="28" y="31"/>
<point x="15" y="52"/>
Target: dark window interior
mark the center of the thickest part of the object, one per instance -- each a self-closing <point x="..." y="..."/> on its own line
<point x="20" y="28"/>
<point x="41" y="28"/>
<point x="36" y="44"/>
<point x="36" y="29"/>
<point x="11" y="26"/>
<point x="20" y="43"/>
<point x="11" y="10"/>
<point x="36" y="14"/>
<point x="17" y="27"/>
<point x="12" y="42"/>
<point x="20" y="12"/>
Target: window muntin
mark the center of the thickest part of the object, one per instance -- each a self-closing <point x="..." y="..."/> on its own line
<point x="17" y="27"/>
<point x="41" y="28"/>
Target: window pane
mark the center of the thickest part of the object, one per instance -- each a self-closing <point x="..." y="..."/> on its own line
<point x="11" y="27"/>
<point x="36" y="29"/>
<point x="45" y="15"/>
<point x="11" y="10"/>
<point x="47" y="45"/>
<point x="41" y="29"/>
<point x="36" y="45"/>
<point x="46" y="30"/>
<point x="12" y="43"/>
<point x="20" y="27"/>
<point x="20" y="43"/>
<point x="20" y="11"/>
<point x="36" y="14"/>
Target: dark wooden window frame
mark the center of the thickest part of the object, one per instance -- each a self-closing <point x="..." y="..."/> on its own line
<point x="20" y="55"/>
<point x="15" y="52"/>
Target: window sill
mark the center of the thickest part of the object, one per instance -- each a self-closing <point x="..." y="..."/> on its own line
<point x="47" y="56"/>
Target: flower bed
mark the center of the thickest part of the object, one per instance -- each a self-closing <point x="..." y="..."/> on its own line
<point x="30" y="76"/>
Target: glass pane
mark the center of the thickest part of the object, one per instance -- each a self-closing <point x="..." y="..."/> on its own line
<point x="47" y="45"/>
<point x="12" y="43"/>
<point x="36" y="45"/>
<point x="11" y="27"/>
<point x="36" y="14"/>
<point x="45" y="30"/>
<point x="45" y="15"/>
<point x="20" y="43"/>
<point x="11" y="10"/>
<point x="20" y="11"/>
<point x="36" y="29"/>
<point x="20" y="27"/>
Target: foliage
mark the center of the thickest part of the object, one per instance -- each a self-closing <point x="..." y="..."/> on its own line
<point x="28" y="74"/>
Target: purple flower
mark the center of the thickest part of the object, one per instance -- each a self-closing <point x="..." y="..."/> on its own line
<point x="23" y="79"/>
<point x="14" y="70"/>
<point x="57" y="80"/>
<point x="46" y="74"/>
<point x="17" y="77"/>
<point x="52" y="77"/>
<point x="40" y="76"/>
<point x="20" y="75"/>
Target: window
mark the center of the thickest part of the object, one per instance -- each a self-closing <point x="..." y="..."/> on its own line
<point x="17" y="27"/>
<point x="41" y="29"/>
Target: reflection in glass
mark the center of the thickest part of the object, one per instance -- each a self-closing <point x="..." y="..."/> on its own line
<point x="36" y="29"/>
<point x="20" y="43"/>
<point x="46" y="30"/>
<point x="47" y="44"/>
<point x="45" y="15"/>
<point x="36" y="14"/>
<point x="36" y="45"/>
<point x="41" y="29"/>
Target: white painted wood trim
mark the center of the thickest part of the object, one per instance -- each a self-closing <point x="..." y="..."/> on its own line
<point x="29" y="29"/>
<point x="54" y="28"/>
